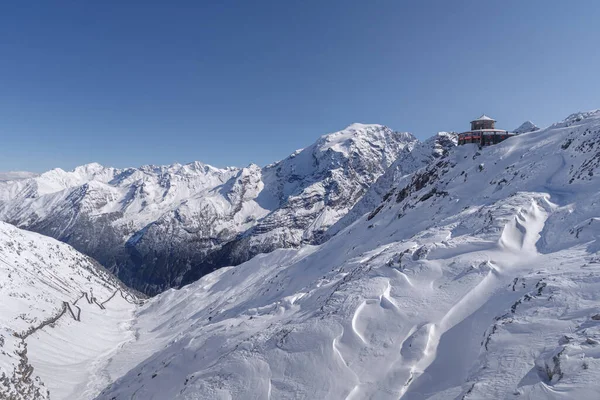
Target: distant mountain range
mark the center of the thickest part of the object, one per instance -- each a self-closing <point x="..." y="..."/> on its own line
<point x="158" y="227"/>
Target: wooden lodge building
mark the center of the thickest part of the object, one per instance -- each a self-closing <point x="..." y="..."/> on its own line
<point x="483" y="132"/>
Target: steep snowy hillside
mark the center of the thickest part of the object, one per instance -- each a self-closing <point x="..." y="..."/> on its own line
<point x="158" y="227"/>
<point x="59" y="312"/>
<point x="410" y="160"/>
<point x="476" y="278"/>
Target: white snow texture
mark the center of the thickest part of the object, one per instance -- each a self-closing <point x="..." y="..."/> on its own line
<point x="465" y="273"/>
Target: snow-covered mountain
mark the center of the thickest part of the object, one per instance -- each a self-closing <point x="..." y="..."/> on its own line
<point x="311" y="190"/>
<point x="476" y="277"/>
<point x="526" y="127"/>
<point x="60" y="313"/>
<point x="409" y="161"/>
<point x="160" y="226"/>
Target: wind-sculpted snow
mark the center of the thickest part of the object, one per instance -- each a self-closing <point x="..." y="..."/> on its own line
<point x="475" y="278"/>
<point x="54" y="324"/>
<point x="163" y="226"/>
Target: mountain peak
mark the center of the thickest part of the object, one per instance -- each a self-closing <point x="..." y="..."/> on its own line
<point x="90" y="168"/>
<point x="526" y="127"/>
<point x="353" y="130"/>
<point x="360" y="126"/>
<point x="342" y="141"/>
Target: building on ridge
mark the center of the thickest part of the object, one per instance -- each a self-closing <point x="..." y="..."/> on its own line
<point x="483" y="132"/>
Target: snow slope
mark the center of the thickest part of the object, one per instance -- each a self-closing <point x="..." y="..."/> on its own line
<point x="475" y="278"/>
<point x="163" y="226"/>
<point x="59" y="315"/>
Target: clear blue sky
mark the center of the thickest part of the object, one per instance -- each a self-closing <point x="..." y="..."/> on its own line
<point x="127" y="83"/>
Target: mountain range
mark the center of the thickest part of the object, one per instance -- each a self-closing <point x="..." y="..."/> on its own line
<point x="370" y="266"/>
<point x="158" y="227"/>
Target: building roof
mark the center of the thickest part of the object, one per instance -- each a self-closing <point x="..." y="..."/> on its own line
<point x="484" y="118"/>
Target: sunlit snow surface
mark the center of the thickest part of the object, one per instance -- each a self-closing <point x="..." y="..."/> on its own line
<point x="37" y="276"/>
<point x="478" y="278"/>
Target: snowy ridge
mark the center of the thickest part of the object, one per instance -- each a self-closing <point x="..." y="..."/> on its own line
<point x="474" y="278"/>
<point x="320" y="184"/>
<point x="163" y="226"/>
<point x="526" y="127"/>
<point x="58" y="313"/>
<point x="577" y="117"/>
<point x="410" y="160"/>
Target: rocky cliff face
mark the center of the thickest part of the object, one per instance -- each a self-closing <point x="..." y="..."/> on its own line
<point x="163" y="226"/>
